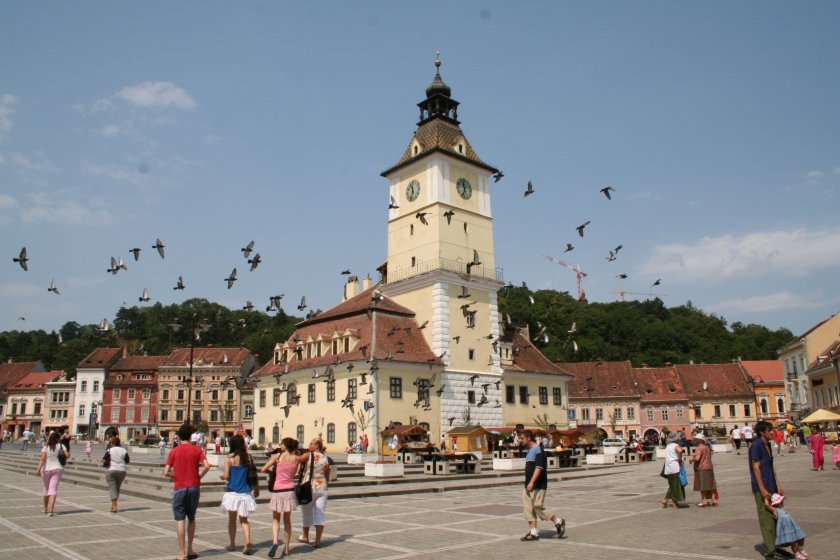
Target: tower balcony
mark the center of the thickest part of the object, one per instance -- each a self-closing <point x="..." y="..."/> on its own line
<point x="432" y="265"/>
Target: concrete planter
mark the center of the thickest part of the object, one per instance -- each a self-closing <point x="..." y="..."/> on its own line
<point x="722" y="447"/>
<point x="612" y="450"/>
<point x="362" y="458"/>
<point x="508" y="464"/>
<point x="600" y="459"/>
<point x="134" y="449"/>
<point x="379" y="470"/>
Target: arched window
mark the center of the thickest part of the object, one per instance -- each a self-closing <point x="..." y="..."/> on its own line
<point x="764" y="407"/>
<point x="780" y="403"/>
<point x="261" y="436"/>
<point x="275" y="434"/>
<point x="351" y="433"/>
<point x="291" y="394"/>
<point x="331" y="433"/>
<point x="300" y="433"/>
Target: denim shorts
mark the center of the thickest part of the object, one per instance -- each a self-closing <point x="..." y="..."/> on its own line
<point x="185" y="502"/>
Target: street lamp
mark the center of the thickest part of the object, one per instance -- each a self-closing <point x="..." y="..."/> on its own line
<point x="196" y="327"/>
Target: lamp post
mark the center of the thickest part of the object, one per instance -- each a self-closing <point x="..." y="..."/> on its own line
<point x="196" y="328"/>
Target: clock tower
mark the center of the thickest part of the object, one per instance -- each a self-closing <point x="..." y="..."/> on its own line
<point x="441" y="261"/>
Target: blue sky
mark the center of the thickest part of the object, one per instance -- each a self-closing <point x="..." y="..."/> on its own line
<point x="209" y="124"/>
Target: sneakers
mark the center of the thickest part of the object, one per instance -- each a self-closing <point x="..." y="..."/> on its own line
<point x="801" y="555"/>
<point x="530" y="537"/>
<point x="561" y="528"/>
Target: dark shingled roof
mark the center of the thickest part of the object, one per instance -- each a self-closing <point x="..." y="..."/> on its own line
<point x="527" y="357"/>
<point x="180" y="357"/>
<point x="723" y="380"/>
<point x="12" y="372"/>
<point x="101" y="358"/>
<point x="659" y="384"/>
<point x="139" y="363"/>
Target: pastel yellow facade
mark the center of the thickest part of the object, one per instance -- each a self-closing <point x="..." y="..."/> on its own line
<point x="723" y="413"/>
<point x="533" y="399"/>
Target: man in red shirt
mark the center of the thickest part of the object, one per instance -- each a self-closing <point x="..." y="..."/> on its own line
<point x="182" y="467"/>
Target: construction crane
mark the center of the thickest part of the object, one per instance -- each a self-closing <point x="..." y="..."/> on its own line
<point x="576" y="269"/>
<point x="622" y="292"/>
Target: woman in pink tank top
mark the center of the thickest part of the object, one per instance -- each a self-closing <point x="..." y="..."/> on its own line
<point x="283" y="500"/>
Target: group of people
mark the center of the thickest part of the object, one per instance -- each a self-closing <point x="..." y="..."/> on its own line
<point x="675" y="472"/>
<point x="288" y="468"/>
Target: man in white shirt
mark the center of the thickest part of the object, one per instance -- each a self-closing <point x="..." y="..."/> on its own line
<point x="27" y="435"/>
<point x="747" y="434"/>
<point x="736" y="438"/>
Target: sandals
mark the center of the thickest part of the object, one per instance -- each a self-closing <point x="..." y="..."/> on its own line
<point x="272" y="552"/>
<point x="248" y="551"/>
<point x="704" y="504"/>
<point x="664" y="503"/>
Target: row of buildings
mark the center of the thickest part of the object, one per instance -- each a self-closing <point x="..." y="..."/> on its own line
<point x="425" y="345"/>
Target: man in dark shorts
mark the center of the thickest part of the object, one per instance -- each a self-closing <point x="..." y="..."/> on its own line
<point x="182" y="467"/>
<point x="536" y="483"/>
<point x="764" y="485"/>
<point x="736" y="438"/>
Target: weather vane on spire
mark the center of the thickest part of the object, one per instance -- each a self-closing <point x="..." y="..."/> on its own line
<point x="437" y="61"/>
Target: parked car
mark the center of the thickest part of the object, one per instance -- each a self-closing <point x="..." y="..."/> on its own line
<point x="614" y="442"/>
<point x="152" y="439"/>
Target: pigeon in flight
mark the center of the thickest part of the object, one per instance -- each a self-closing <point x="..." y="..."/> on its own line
<point x="115" y="267"/>
<point x="422" y="217"/>
<point x="159" y="246"/>
<point x="611" y="258"/>
<point x="145" y="296"/>
<point x="393" y="204"/>
<point x="530" y="190"/>
<point x="622" y="276"/>
<point x="180" y="284"/>
<point x="451" y="419"/>
<point x="255" y="262"/>
<point x="465" y="293"/>
<point x="248" y="306"/>
<point x="231" y="279"/>
<point x="302" y="305"/>
<point x="449" y="214"/>
<point x="606" y="190"/>
<point x="136" y="252"/>
<point x="475" y="262"/>
<point x="618" y="248"/>
<point x="246" y="250"/>
<point x="21" y="259"/>
<point x="346" y="271"/>
<point x="472" y="379"/>
<point x="581" y="226"/>
<point x="53" y="288"/>
<point x="573" y="330"/>
<point x="658" y="282"/>
<point x="496" y="178"/>
<point x="569" y="247"/>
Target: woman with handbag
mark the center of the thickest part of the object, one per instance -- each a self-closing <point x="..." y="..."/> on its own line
<point x="317" y="472"/>
<point x="53" y="458"/>
<point x="240" y="474"/>
<point x="671" y="471"/>
<point x="283" y="499"/>
<point x="115" y="460"/>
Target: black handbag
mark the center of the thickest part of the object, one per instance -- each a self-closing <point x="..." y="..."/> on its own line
<point x="303" y="490"/>
<point x="62" y="456"/>
<point x="106" y="459"/>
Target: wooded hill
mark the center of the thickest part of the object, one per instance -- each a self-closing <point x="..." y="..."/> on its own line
<point x="643" y="332"/>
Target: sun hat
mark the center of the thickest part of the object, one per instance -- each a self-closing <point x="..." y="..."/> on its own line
<point x="700" y="437"/>
<point x="776" y="499"/>
<point x="673" y="436"/>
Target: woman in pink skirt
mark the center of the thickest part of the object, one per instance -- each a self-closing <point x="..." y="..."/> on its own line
<point x="283" y="500"/>
<point x="51" y="464"/>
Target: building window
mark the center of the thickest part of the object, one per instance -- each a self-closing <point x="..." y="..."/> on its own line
<point x="396" y="387"/>
<point x="214" y="415"/>
<point x="196" y="416"/>
<point x="679" y="414"/>
<point x="291" y="397"/>
<point x="747" y="410"/>
<point x="780" y="405"/>
<point x="23" y="408"/>
<point x="732" y="412"/>
<point x="698" y="411"/>
<point x="197" y="395"/>
<point x="584" y="414"/>
<point x="557" y="394"/>
<point x="115" y="414"/>
<point x="147" y="395"/>
<point x="115" y="395"/>
<point x="717" y="411"/>
<point x="275" y="433"/>
<point x="346" y="344"/>
<point x="275" y="399"/>
<point x="470" y="319"/>
<point x="317" y="349"/>
<point x="310" y="393"/>
<point x="83" y="386"/>
<point x="144" y="414"/>
<point x="330" y="390"/>
<point x="330" y="433"/>
<point x="523" y="394"/>
<point x="14" y="409"/>
<point x="180" y="394"/>
<point x="261" y="436"/>
<point x="351" y="433"/>
<point x="510" y="394"/>
<point x="471" y="354"/>
<point x="132" y="395"/>
<point x="599" y="414"/>
<point x="249" y="410"/>
<point x="650" y="415"/>
<point x="413" y="261"/>
<point x="164" y="415"/>
<point x="262" y="398"/>
<point x="165" y="394"/>
<point x="95" y="385"/>
<point x="543" y="395"/>
<point x="764" y="407"/>
<point x="308" y="350"/>
<point x="665" y="415"/>
<point x="617" y="414"/>
<point x="81" y="410"/>
<point x="214" y="395"/>
<point x="179" y="415"/>
<point x="631" y="413"/>
<point x="352" y="388"/>
<point x="471" y="397"/>
<point x="423" y="390"/>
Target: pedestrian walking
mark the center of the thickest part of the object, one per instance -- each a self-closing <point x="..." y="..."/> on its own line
<point x="182" y="466"/>
<point x="238" y="501"/>
<point x="25" y="439"/>
<point x="53" y="457"/>
<point x="735" y="434"/>
<point x="217" y="443"/>
<point x="314" y="512"/>
<point x="835" y="455"/>
<point x="117" y="459"/>
<point x="283" y="501"/>
<point x="778" y="441"/>
<point x="764" y="484"/>
<point x="88" y="448"/>
<point x="704" y="472"/>
<point x="536" y="484"/>
<point x="817" y="446"/>
<point x="162" y="447"/>
<point x="747" y="434"/>
<point x="671" y="471"/>
<point x="788" y="531"/>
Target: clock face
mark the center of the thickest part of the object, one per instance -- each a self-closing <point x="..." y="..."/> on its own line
<point x="412" y="191"/>
<point x="464" y="188"/>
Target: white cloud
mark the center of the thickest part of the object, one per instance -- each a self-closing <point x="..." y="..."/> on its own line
<point x="113" y="172"/>
<point x="762" y="304"/>
<point x="157" y="95"/>
<point x="7" y="201"/>
<point x="814" y="175"/>
<point x="110" y="130"/>
<point x="6" y="111"/>
<point x="836" y="170"/>
<point x="787" y="253"/>
<point x="18" y="290"/>
<point x="46" y="210"/>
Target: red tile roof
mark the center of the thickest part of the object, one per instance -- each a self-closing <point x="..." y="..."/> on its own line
<point x="101" y="358"/>
<point x="12" y="372"/>
<point x="608" y="379"/>
<point x="236" y="357"/>
<point x="722" y="380"/>
<point x="139" y="363"/>
<point x="35" y="381"/>
<point x="360" y="303"/>
<point x="528" y="358"/>
<point x="769" y="370"/>
<point x="659" y="385"/>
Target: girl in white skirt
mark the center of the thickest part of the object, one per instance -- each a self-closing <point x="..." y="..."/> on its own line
<point x="238" y="499"/>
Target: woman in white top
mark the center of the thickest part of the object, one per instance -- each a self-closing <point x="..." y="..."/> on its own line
<point x="671" y="470"/>
<point x="52" y="455"/>
<point x="116" y="458"/>
<point x="313" y="512"/>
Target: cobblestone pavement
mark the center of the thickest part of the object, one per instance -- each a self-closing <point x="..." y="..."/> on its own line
<point x="609" y="517"/>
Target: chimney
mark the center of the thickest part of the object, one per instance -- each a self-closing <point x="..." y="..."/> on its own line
<point x="644" y="364"/>
<point x="351" y="288"/>
<point x="366" y="283"/>
<point x="125" y="351"/>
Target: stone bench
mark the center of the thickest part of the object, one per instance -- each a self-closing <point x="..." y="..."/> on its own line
<point x="600" y="459"/>
<point x="381" y="470"/>
<point x="508" y="464"/>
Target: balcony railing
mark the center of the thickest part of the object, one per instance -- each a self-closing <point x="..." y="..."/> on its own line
<point x="459" y="267"/>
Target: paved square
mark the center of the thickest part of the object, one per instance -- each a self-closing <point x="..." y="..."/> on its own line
<point x="616" y="516"/>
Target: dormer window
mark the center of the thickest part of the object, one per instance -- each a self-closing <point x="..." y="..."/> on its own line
<point x="346" y="343"/>
<point x="335" y="346"/>
<point x="416" y="149"/>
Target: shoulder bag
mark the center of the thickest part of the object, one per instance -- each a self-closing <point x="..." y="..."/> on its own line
<point x="62" y="456"/>
<point x="303" y="490"/>
<point x="106" y="459"/>
<point x="253" y="476"/>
